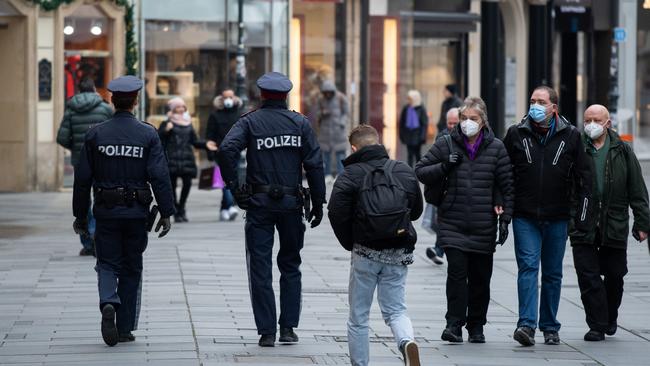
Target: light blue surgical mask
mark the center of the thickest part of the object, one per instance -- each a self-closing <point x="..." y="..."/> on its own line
<point x="537" y="112"/>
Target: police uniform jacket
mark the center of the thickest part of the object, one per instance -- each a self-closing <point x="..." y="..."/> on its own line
<point x="122" y="152"/>
<point x="280" y="144"/>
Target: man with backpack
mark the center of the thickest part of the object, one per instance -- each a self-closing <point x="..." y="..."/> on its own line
<point x="371" y="208"/>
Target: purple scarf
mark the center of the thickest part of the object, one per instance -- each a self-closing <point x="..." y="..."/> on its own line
<point x="472" y="149"/>
<point x="412" y="119"/>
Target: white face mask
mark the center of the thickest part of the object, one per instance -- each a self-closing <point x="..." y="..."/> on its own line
<point x="469" y="127"/>
<point x="228" y="103"/>
<point x="594" y="130"/>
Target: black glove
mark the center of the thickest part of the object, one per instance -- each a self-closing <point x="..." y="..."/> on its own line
<point x="242" y="197"/>
<point x="166" y="224"/>
<point x="80" y="227"/>
<point x="315" y="216"/>
<point x="503" y="231"/>
<point x="453" y="160"/>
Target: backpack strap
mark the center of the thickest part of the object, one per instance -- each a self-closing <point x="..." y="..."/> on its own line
<point x="449" y="143"/>
<point x="388" y="168"/>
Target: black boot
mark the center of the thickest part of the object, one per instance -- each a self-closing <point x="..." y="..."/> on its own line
<point x="127" y="337"/>
<point x="109" y="329"/>
<point x="525" y="336"/>
<point x="267" y="340"/>
<point x="453" y="333"/>
<point x="476" y="335"/>
<point x="594" y="336"/>
<point x="287" y="335"/>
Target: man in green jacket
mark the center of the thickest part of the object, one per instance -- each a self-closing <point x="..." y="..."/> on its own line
<point x="602" y="251"/>
<point x="82" y="112"/>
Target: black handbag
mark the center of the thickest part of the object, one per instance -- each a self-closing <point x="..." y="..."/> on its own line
<point x="435" y="193"/>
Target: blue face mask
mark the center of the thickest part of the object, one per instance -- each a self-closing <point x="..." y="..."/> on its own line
<point x="537" y="112"/>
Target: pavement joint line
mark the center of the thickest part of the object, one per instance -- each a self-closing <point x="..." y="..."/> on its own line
<point x="189" y="309"/>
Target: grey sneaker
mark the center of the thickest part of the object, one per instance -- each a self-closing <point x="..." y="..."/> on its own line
<point x="525" y="336"/>
<point x="551" y="338"/>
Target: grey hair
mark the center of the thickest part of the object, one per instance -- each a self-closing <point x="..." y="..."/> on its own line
<point x="477" y="104"/>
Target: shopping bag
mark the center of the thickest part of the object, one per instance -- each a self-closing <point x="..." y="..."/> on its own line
<point x="217" y="180"/>
<point x="206" y="177"/>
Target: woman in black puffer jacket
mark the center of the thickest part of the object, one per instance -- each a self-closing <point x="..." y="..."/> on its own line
<point x="178" y="137"/>
<point x="479" y="189"/>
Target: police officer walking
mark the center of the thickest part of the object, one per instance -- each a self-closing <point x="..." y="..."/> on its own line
<point x="279" y="143"/>
<point x="119" y="160"/>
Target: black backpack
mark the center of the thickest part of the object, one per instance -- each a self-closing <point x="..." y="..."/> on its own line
<point x="382" y="215"/>
<point x="434" y="194"/>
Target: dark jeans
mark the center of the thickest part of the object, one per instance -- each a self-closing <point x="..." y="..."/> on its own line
<point x="185" y="191"/>
<point x="413" y="154"/>
<point x="601" y="297"/>
<point x="227" y="199"/>
<point x="119" y="244"/>
<point x="260" y="229"/>
<point x="468" y="287"/>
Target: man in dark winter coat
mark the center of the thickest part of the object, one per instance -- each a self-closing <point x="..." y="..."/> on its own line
<point x="82" y="112"/>
<point x="380" y="264"/>
<point x="451" y="101"/>
<point x="551" y="170"/>
<point x="227" y="109"/>
<point x="602" y="250"/>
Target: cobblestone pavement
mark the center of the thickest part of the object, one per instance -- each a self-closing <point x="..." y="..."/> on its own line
<point x="196" y="309"/>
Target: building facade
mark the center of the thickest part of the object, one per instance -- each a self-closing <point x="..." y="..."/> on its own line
<point x="373" y="50"/>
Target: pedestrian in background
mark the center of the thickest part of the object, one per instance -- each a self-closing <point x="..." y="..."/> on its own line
<point x="333" y="125"/>
<point x="279" y="145"/>
<point x="479" y="191"/>
<point x="381" y="262"/>
<point x="83" y="111"/>
<point x="227" y="109"/>
<point x="451" y="101"/>
<point x="551" y="170"/>
<point x="435" y="253"/>
<point x="602" y="250"/>
<point x="413" y="125"/>
<point x="178" y="137"/>
<point x="121" y="161"/>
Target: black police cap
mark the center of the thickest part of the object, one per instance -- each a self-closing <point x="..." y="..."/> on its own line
<point x="125" y="84"/>
<point x="274" y="82"/>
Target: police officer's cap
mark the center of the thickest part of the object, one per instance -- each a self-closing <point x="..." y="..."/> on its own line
<point x="125" y="84"/>
<point x="274" y="82"/>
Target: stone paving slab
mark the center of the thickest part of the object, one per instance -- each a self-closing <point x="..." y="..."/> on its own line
<point x="196" y="310"/>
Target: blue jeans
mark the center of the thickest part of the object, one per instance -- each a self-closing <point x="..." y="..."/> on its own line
<point x="327" y="161"/>
<point x="88" y="241"/>
<point x="390" y="281"/>
<point x="537" y="241"/>
<point x="227" y="200"/>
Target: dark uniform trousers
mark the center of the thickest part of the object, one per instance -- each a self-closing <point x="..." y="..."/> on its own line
<point x="468" y="287"/>
<point x="260" y="229"/>
<point x="601" y="296"/>
<point x="119" y="244"/>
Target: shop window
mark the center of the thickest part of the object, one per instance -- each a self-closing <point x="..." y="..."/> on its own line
<point x="317" y="40"/>
<point x="87" y="35"/>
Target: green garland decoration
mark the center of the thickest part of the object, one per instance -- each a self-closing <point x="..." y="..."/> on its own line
<point x="131" y="47"/>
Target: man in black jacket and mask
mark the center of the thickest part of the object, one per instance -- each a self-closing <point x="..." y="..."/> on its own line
<point x="376" y="261"/>
<point x="551" y="171"/>
<point x="227" y="109"/>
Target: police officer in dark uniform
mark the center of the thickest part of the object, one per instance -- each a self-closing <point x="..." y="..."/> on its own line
<point x="120" y="159"/>
<point x="279" y="143"/>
